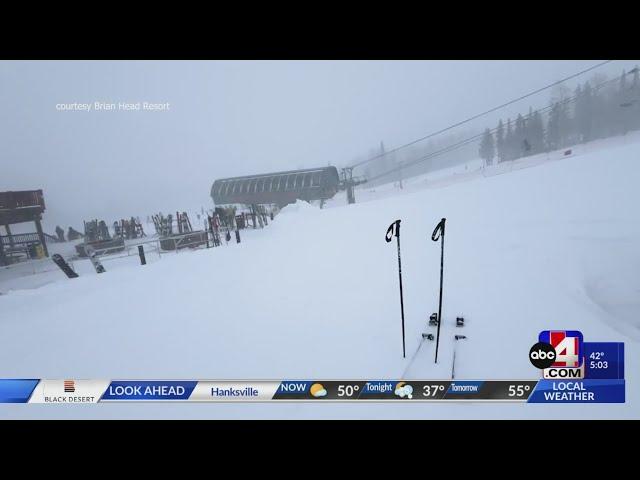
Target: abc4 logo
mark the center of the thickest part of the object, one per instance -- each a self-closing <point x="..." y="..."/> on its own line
<point x="558" y="350"/>
<point x="542" y="355"/>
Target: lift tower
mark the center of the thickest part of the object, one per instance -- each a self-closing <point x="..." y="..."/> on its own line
<point x="349" y="183"/>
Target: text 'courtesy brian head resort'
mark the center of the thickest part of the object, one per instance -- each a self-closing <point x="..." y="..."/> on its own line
<point x="114" y="107"/>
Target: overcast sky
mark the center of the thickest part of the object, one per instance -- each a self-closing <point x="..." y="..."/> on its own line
<point x="227" y="119"/>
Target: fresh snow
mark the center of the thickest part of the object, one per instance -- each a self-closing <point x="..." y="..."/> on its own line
<point x="315" y="295"/>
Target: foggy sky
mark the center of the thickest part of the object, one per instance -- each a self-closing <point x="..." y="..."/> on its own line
<point x="226" y="119"/>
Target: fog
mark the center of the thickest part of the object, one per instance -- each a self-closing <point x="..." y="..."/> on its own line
<point x="225" y="118"/>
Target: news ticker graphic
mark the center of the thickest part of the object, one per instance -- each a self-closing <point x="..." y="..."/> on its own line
<point x="573" y="371"/>
<point x="131" y="391"/>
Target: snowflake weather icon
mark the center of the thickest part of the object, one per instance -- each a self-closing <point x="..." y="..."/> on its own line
<point x="404" y="390"/>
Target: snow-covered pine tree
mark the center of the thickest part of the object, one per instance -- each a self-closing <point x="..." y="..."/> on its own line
<point x="520" y="148"/>
<point x="536" y="132"/>
<point x="508" y="141"/>
<point x="553" y="128"/>
<point x="500" y="142"/>
<point x="487" y="149"/>
<point x="621" y="105"/>
<point x="635" y="99"/>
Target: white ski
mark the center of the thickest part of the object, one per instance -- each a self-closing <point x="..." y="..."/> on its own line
<point x="93" y="256"/>
<point x="455" y="345"/>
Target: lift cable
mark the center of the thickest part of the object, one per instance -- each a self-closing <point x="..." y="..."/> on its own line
<point x="357" y="164"/>
<point x="469" y="140"/>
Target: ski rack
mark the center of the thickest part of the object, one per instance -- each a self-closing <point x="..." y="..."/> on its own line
<point x="101" y="247"/>
<point x="178" y="241"/>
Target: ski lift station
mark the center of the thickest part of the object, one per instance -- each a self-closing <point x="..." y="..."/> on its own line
<point x="279" y="188"/>
<point x="20" y="207"/>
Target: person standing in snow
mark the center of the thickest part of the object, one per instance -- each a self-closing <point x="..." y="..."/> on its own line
<point x="60" y="233"/>
<point x="73" y="234"/>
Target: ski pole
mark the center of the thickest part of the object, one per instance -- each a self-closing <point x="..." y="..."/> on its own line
<point x="438" y="234"/>
<point x="389" y="235"/>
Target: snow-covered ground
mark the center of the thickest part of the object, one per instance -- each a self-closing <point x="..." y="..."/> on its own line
<point x="315" y="295"/>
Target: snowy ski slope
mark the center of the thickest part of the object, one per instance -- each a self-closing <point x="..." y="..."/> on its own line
<point x="315" y="295"/>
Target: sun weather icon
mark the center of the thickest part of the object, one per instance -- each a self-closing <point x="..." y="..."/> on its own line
<point x="317" y="390"/>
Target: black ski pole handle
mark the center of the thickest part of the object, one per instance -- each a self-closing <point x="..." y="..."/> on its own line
<point x="438" y="231"/>
<point x="389" y="235"/>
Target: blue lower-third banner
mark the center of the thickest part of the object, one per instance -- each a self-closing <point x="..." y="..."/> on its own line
<point x="66" y="391"/>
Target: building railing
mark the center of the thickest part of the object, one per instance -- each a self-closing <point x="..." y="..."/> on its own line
<point x="21" y="199"/>
<point x="20" y="239"/>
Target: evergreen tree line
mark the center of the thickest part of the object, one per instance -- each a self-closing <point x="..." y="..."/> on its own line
<point x="593" y="112"/>
<point x="390" y="162"/>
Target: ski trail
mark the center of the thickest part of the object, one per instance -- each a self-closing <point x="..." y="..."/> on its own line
<point x="422" y="364"/>
<point x="422" y="356"/>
